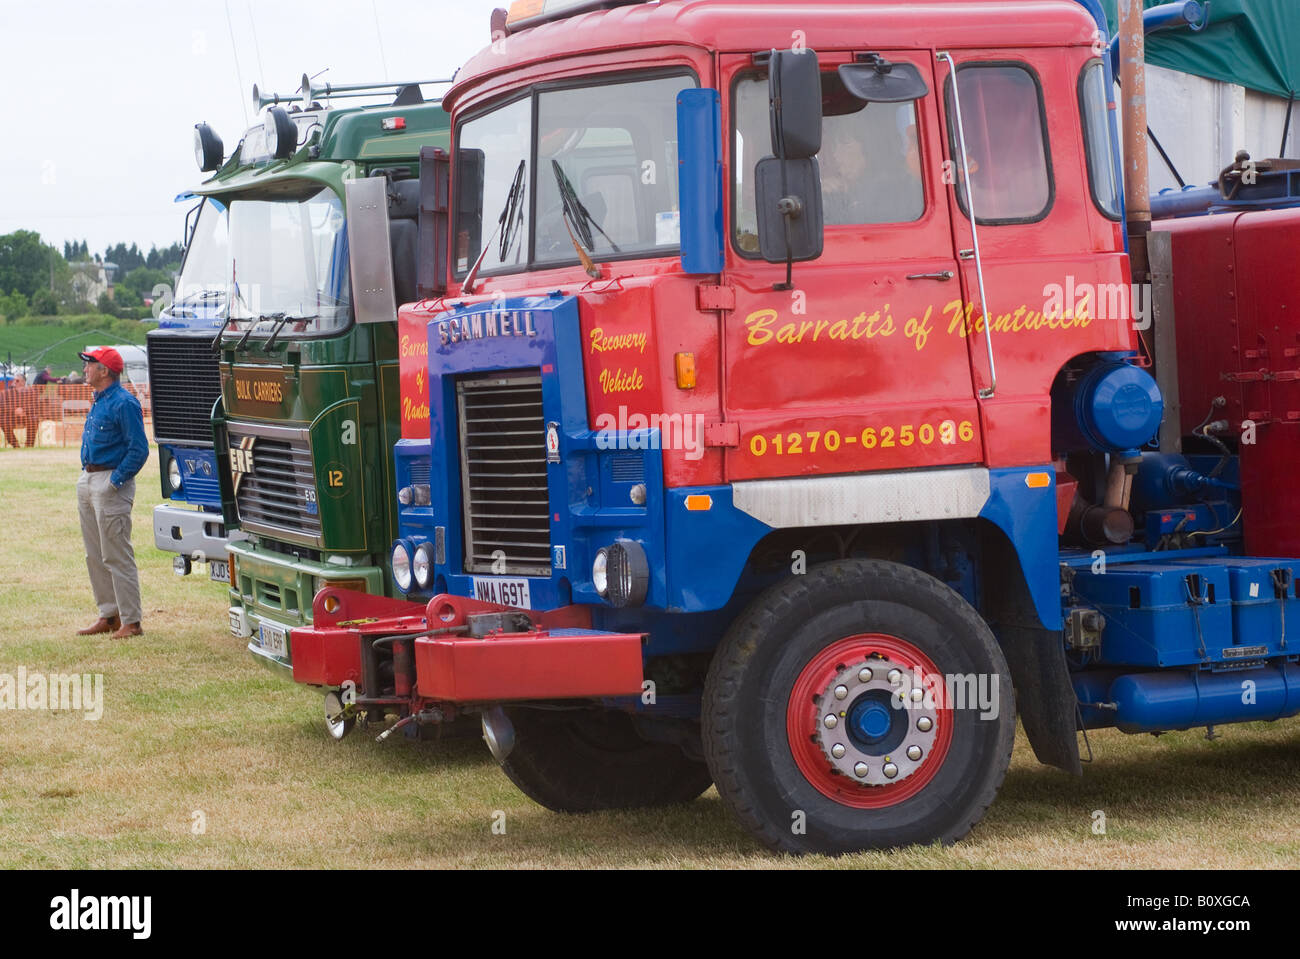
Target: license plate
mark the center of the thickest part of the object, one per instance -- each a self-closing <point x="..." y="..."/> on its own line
<point x="505" y="592"/>
<point x="218" y="571"/>
<point x="273" y="638"/>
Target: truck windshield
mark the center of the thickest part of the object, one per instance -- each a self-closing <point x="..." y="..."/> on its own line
<point x="600" y="170"/>
<point x="205" y="274"/>
<point x="289" y="264"/>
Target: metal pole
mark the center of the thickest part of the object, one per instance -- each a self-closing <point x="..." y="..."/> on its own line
<point x="1137" y="181"/>
<point x="991" y="390"/>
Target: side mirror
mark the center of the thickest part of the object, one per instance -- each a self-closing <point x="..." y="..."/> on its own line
<point x="470" y="165"/>
<point x="787" y="186"/>
<point x="876" y="80"/>
<point x="790" y="222"/>
<point x="369" y="254"/>
<point x="794" y="88"/>
<point x="434" y="220"/>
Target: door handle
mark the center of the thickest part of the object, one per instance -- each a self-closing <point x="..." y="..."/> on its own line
<point x="945" y="275"/>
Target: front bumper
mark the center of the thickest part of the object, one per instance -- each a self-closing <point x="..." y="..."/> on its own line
<point x="191" y="532"/>
<point x="278" y="590"/>
<point x="455" y="664"/>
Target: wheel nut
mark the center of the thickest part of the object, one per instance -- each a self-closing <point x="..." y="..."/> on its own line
<point x="914" y="753"/>
<point x="860" y="770"/>
<point x="918" y="695"/>
<point x="894" y="676"/>
<point x="925" y="724"/>
<point x="841" y="692"/>
<point x="830" y="722"/>
<point x="864" y="675"/>
<point x="890" y="770"/>
<point x="838" y="750"/>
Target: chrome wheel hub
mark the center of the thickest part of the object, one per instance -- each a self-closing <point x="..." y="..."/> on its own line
<point x="878" y="721"/>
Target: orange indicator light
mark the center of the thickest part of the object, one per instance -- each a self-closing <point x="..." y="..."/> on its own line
<point x="685" y="371"/>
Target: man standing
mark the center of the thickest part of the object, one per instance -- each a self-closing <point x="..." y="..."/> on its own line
<point x="18" y="410"/>
<point x="113" y="449"/>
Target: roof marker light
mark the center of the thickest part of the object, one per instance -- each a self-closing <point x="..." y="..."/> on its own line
<point x="393" y="123"/>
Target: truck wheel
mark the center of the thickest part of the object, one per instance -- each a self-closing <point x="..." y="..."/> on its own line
<point x="827" y="725"/>
<point x="584" y="760"/>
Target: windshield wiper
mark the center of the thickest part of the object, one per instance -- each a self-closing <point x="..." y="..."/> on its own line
<point x="284" y="318"/>
<point x="252" y="322"/>
<point x="576" y="211"/>
<point x="512" y="211"/>
<point x="216" y="342"/>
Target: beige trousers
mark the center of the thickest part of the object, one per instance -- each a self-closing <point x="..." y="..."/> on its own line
<point x="106" y="531"/>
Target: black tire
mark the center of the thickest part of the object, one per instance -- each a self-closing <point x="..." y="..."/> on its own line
<point x="762" y="660"/>
<point x="585" y="760"/>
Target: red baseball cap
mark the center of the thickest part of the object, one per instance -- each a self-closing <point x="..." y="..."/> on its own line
<point x="106" y="355"/>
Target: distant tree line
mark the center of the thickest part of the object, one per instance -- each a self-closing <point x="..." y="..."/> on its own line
<point x="36" y="279"/>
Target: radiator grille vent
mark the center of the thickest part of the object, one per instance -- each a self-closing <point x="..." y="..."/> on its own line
<point x="503" y="470"/>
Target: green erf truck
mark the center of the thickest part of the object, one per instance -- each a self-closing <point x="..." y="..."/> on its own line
<point x="325" y="232"/>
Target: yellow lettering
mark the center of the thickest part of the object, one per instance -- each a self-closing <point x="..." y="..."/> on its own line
<point x="759" y="322"/>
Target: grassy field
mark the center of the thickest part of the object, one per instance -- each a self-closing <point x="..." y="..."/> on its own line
<point x="57" y="344"/>
<point x="194" y="731"/>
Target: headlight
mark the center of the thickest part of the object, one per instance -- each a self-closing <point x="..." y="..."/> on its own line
<point x="405" y="496"/>
<point x="402" y="567"/>
<point x="627" y="573"/>
<point x="281" y="134"/>
<point x="422" y="565"/>
<point x="600" y="571"/>
<point x="174" y="474"/>
<point x="208" y="148"/>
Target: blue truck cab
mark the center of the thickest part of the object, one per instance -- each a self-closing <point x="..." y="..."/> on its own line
<point x="185" y="384"/>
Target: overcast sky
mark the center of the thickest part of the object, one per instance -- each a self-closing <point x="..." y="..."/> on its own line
<point x="98" y="101"/>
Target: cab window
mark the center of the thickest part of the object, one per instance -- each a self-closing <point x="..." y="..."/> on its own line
<point x="1094" y="108"/>
<point x="1007" y="157"/>
<point x="870" y="158"/>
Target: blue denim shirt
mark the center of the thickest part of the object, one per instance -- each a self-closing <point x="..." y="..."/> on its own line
<point x="114" y="434"/>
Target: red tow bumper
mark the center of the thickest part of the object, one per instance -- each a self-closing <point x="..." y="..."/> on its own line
<point x="559" y="659"/>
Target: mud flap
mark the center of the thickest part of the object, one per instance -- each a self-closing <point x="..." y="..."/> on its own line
<point x="1044" y="695"/>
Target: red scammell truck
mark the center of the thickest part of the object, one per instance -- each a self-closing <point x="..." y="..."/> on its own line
<point x="775" y="430"/>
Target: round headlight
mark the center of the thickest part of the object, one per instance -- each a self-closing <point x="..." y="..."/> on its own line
<point x="208" y="148"/>
<point x="174" y="474"/>
<point x="600" y="571"/>
<point x="402" y="567"/>
<point x="628" y="573"/>
<point x="281" y="134"/>
<point x="422" y="565"/>
<point x="404" y="496"/>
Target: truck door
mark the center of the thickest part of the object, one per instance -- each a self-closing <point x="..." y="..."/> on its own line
<point x="852" y="369"/>
<point x="1047" y="214"/>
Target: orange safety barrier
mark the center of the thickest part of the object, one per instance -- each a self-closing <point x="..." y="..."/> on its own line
<point x="53" y="414"/>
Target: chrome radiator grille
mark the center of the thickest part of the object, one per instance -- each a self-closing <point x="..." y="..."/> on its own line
<point x="278" y="495"/>
<point x="507" y="517"/>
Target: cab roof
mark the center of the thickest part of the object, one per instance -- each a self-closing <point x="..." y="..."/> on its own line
<point x="347" y="134"/>
<point x="751" y="25"/>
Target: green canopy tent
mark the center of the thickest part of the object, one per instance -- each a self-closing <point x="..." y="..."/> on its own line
<point x="1252" y="43"/>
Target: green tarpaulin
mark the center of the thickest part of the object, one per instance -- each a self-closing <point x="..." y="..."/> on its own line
<point x="1254" y="43"/>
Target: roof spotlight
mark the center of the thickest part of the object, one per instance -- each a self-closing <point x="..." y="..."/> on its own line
<point x="208" y="149"/>
<point x="281" y="134"/>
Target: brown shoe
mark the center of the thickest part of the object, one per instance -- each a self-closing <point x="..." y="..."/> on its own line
<point x="101" y="625"/>
<point x="128" y="629"/>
